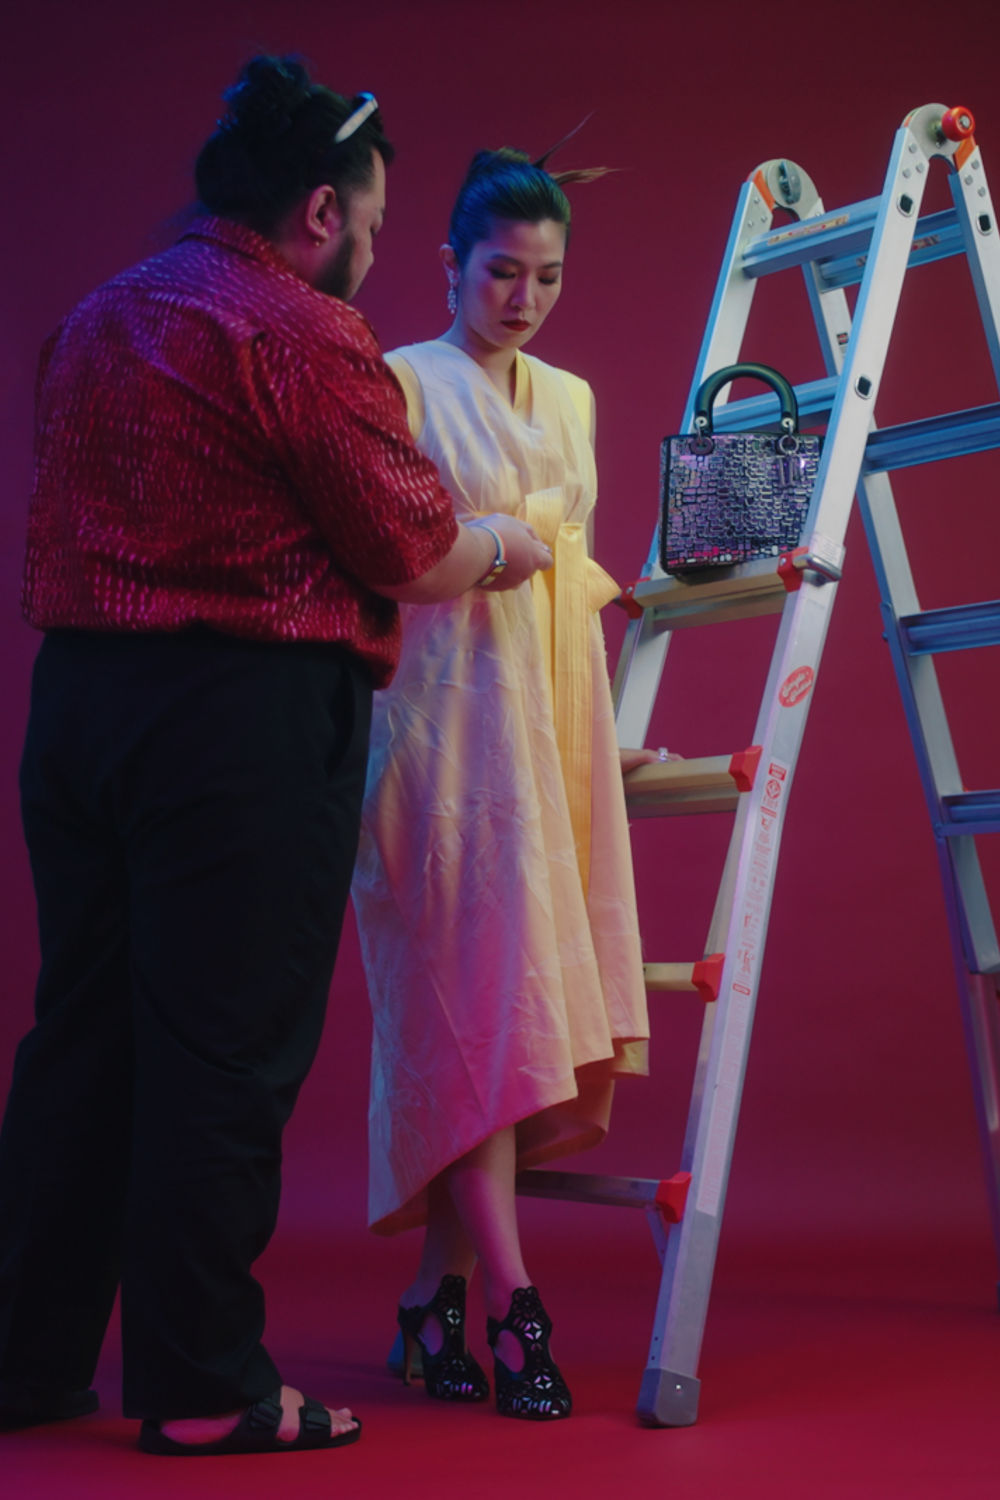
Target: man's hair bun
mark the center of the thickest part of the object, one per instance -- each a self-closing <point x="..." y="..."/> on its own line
<point x="277" y="140"/>
<point x="264" y="100"/>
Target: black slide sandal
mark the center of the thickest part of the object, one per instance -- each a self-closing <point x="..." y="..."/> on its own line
<point x="256" y="1432"/>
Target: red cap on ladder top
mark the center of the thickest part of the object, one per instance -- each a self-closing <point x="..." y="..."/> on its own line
<point x="957" y="124"/>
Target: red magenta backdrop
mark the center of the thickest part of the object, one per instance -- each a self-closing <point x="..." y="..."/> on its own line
<point x="857" y="1113"/>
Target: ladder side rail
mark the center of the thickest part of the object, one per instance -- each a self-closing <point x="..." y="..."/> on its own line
<point x="867" y="345"/>
<point x="669" y="1391"/>
<point x="640" y="666"/>
<point x="979" y="1004"/>
<point x="977" y="221"/>
<point x="916" y="675"/>
<point x="975" y="953"/>
<point x="644" y="650"/>
<point x="637" y="677"/>
<point x="966" y="899"/>
<point x="832" y="316"/>
<point x="965" y="894"/>
<point x="979" y="1007"/>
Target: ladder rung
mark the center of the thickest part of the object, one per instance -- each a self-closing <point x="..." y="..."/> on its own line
<point x="712" y="783"/>
<point x="957" y="629"/>
<point x="702" y="978"/>
<point x="937" y="236"/>
<point x="842" y="231"/>
<point x="933" y="438"/>
<point x="668" y="1195"/>
<point x="815" y="400"/>
<point x="712" y="595"/>
<point x="840" y="241"/>
<point x="970" y="812"/>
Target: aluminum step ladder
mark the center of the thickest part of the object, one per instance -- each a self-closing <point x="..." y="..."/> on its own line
<point x="872" y="243"/>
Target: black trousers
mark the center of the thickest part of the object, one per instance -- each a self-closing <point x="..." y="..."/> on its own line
<point x="191" y="805"/>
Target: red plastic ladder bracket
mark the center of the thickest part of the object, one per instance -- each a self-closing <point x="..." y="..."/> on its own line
<point x="628" y="602"/>
<point x="743" y="767"/>
<point x="790" y="575"/>
<point x="671" y="1196"/>
<point x="706" y="976"/>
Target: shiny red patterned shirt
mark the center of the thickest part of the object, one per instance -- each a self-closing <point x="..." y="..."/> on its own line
<point x="220" y="444"/>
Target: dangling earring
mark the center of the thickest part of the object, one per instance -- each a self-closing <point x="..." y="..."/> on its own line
<point x="452" y="298"/>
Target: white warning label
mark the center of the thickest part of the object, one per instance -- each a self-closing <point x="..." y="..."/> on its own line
<point x="750" y="928"/>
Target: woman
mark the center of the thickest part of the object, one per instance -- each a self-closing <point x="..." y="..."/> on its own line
<point x="494" y="887"/>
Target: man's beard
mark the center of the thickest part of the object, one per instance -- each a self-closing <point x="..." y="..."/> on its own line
<point x="337" y="279"/>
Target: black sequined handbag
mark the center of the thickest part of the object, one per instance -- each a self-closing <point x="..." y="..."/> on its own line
<point x="728" y="497"/>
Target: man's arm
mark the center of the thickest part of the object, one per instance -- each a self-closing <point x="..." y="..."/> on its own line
<point x="472" y="558"/>
<point x="378" y="502"/>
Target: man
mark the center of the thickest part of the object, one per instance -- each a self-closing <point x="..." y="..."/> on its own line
<point x="227" y="508"/>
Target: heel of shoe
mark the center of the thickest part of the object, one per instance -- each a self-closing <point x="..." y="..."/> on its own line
<point x="451" y="1373"/>
<point x="404" y="1359"/>
<point x="537" y="1392"/>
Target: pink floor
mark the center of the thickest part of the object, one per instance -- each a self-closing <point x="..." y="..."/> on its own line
<point x="863" y="1371"/>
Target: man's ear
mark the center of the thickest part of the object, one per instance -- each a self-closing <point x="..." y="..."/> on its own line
<point x="323" y="214"/>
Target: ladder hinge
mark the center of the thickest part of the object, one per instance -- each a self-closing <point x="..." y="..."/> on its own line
<point x="671" y="1196"/>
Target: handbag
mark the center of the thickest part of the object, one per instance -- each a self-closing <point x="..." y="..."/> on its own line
<point x="728" y="497"/>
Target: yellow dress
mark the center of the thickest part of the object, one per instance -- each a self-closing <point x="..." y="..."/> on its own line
<point x="493" y="888"/>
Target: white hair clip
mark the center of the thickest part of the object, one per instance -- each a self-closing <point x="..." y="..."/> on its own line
<point x="357" y="117"/>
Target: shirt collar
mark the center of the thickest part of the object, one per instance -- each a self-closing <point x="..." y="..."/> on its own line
<point x="245" y="241"/>
<point x="229" y="235"/>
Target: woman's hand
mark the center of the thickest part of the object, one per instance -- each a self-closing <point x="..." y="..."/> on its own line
<point x="473" y="558"/>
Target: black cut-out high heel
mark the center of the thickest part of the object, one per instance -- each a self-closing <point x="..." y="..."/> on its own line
<point x="451" y="1373"/>
<point x="536" y="1392"/>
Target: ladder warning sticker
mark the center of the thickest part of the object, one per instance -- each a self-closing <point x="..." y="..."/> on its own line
<point x="795" y="686"/>
<point x="801" y="231"/>
<point x="749" y="928"/>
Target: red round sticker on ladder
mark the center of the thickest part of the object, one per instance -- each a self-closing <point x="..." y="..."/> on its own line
<point x="795" y="686"/>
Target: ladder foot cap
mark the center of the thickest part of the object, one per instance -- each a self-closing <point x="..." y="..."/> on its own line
<point x="667" y="1399"/>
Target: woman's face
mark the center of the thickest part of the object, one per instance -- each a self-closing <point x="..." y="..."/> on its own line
<point x="510" y="283"/>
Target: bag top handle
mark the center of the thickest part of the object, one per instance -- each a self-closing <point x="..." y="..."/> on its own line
<point x="710" y="388"/>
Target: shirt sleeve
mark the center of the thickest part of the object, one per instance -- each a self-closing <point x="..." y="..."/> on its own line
<point x="339" y="419"/>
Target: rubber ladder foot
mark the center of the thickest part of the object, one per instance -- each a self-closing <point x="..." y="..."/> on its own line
<point x="667" y="1399"/>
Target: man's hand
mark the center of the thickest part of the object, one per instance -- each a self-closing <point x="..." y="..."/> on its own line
<point x="632" y="759"/>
